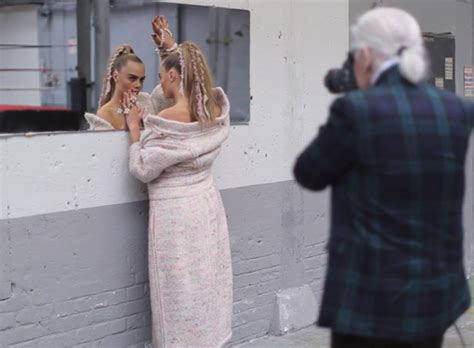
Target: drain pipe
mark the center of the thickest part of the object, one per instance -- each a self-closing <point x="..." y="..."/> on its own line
<point x="101" y="43"/>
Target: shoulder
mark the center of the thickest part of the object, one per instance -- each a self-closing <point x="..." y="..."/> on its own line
<point x="105" y="112"/>
<point x="433" y="98"/>
<point x="344" y="106"/>
<point x="222" y="103"/>
<point x="376" y="99"/>
<point x="175" y="113"/>
<point x="355" y="98"/>
<point x="446" y="96"/>
<point x="458" y="107"/>
<point x="167" y="113"/>
<point x="96" y="122"/>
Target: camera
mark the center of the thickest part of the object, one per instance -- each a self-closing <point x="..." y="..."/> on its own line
<point x="341" y="80"/>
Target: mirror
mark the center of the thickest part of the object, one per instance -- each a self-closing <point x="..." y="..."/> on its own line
<point x="39" y="55"/>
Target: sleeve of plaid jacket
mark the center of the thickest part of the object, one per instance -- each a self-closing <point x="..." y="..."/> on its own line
<point x="469" y="107"/>
<point x="331" y="154"/>
<point x="471" y="116"/>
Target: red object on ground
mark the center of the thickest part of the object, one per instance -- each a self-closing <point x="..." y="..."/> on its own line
<point x="6" y="107"/>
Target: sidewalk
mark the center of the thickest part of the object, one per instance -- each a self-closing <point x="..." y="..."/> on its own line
<point x="313" y="337"/>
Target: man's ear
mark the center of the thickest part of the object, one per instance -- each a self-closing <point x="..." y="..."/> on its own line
<point x="368" y="59"/>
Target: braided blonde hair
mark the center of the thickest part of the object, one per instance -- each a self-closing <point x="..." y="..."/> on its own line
<point x="120" y="56"/>
<point x="196" y="79"/>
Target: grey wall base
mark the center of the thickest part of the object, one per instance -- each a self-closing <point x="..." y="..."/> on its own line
<point x="79" y="278"/>
<point x="295" y="309"/>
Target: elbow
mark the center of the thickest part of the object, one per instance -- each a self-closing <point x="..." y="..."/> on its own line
<point x="308" y="178"/>
<point x="297" y="172"/>
<point x="143" y="177"/>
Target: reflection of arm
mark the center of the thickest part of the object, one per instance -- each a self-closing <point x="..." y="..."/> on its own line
<point x="97" y="123"/>
<point x="144" y="101"/>
<point x="469" y="110"/>
<point x="153" y="154"/>
<point x="158" y="101"/>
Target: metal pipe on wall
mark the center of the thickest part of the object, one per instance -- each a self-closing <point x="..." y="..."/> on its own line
<point x="101" y="42"/>
<point x="213" y="41"/>
<point x="180" y="23"/>
<point x="83" y="15"/>
<point x="225" y="43"/>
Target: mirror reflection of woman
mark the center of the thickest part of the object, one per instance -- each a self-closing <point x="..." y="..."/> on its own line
<point x="124" y="76"/>
<point x="190" y="268"/>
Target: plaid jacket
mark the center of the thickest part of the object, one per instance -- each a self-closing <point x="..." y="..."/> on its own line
<point x="394" y="156"/>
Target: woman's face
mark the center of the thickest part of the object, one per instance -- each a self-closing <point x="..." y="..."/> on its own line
<point x="168" y="81"/>
<point x="130" y="78"/>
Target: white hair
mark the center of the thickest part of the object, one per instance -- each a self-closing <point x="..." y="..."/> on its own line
<point x="391" y="32"/>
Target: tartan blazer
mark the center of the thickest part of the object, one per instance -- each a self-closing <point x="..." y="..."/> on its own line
<point x="394" y="157"/>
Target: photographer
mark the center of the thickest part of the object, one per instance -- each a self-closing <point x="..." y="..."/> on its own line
<point x="393" y="152"/>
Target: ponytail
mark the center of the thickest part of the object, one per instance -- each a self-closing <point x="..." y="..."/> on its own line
<point x="413" y="64"/>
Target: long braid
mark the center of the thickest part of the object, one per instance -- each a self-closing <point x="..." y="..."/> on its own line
<point x="182" y="73"/>
<point x="196" y="80"/>
<point x="199" y="97"/>
<point x="107" y="86"/>
<point x="202" y="75"/>
<point x="196" y="97"/>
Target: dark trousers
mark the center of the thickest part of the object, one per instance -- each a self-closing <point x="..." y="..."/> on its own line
<point x="344" y="341"/>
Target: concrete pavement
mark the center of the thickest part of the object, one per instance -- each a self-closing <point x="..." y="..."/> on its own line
<point x="314" y="337"/>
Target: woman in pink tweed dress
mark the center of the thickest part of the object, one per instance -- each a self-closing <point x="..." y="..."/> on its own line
<point x="189" y="254"/>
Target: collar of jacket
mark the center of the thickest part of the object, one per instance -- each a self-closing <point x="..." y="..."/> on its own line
<point x="395" y="61"/>
<point x="391" y="76"/>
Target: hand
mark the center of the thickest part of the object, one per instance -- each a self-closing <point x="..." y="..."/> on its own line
<point x="135" y="113"/>
<point x="162" y="35"/>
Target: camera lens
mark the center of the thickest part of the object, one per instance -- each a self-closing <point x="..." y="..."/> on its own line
<point x="341" y="80"/>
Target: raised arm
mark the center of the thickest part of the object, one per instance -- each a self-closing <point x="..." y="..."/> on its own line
<point x="162" y="36"/>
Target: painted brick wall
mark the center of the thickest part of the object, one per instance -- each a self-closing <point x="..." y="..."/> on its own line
<point x="74" y="280"/>
<point x="79" y="278"/>
<point x="73" y="247"/>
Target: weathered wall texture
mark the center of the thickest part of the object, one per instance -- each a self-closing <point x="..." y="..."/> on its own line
<point x="73" y="221"/>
